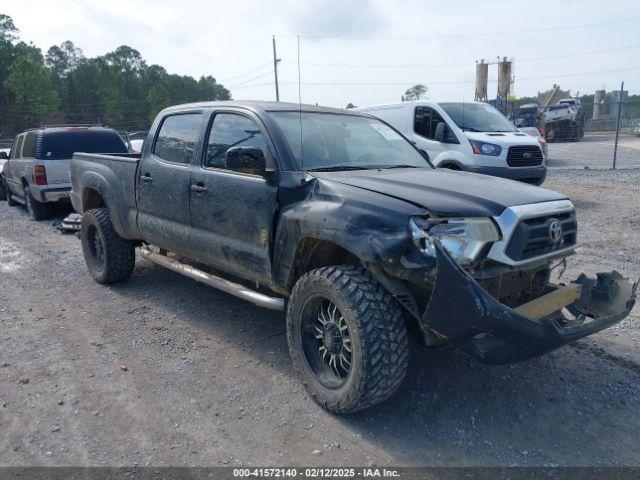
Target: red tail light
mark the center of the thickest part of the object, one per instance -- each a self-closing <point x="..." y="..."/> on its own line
<point x="40" y="175"/>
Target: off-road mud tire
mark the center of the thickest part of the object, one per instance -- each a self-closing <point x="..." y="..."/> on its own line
<point x="117" y="256"/>
<point x="378" y="332"/>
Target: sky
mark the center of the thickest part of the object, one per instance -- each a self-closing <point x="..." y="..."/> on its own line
<point x="366" y="52"/>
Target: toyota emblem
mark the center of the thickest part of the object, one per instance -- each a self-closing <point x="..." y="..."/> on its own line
<point x="555" y="231"/>
<point x="526" y="155"/>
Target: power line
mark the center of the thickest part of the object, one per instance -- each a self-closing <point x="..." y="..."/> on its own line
<point x="447" y="65"/>
<point x="458" y="82"/>
<point x="227" y="55"/>
<point x="251" y="79"/>
<point x="235" y="77"/>
<point x="469" y="35"/>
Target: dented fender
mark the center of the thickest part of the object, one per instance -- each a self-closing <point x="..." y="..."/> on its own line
<point x="462" y="312"/>
<point x="373" y="227"/>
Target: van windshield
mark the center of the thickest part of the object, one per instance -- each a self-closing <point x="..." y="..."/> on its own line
<point x="477" y="117"/>
<point x="345" y="142"/>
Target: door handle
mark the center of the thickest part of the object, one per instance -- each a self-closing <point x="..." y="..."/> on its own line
<point x="146" y="178"/>
<point x="198" y="187"/>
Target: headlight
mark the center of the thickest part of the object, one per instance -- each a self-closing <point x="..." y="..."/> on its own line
<point x="483" y="148"/>
<point x="463" y="238"/>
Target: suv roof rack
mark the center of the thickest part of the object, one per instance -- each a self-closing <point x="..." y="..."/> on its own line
<point x="66" y="125"/>
<point x="58" y="125"/>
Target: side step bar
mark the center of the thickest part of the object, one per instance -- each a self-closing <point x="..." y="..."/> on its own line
<point x="240" y="291"/>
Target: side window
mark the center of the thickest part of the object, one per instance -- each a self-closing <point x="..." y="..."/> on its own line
<point x="426" y="122"/>
<point x="16" y="151"/>
<point x="29" y="146"/>
<point x="232" y="130"/>
<point x="177" y="138"/>
<point x="422" y="122"/>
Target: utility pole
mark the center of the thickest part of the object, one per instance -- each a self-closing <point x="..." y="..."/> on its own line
<point x="276" y="60"/>
<point x="615" y="147"/>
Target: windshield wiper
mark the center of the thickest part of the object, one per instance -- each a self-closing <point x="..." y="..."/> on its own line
<point x="400" y="166"/>
<point x="469" y="129"/>
<point x="335" y="168"/>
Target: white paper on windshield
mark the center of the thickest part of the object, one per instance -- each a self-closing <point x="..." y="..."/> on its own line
<point x="385" y="131"/>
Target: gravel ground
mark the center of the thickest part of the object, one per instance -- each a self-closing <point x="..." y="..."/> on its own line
<point x="164" y="371"/>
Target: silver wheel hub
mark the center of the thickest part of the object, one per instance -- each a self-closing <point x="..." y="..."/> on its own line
<point x="334" y="338"/>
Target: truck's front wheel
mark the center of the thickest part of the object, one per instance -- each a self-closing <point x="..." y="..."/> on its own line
<point x="109" y="257"/>
<point x="347" y="338"/>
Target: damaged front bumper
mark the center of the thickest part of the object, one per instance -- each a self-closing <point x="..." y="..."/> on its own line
<point x="462" y="312"/>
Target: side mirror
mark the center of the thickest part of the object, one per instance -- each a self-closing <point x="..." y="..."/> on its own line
<point x="246" y="160"/>
<point x="3" y="155"/>
<point x="440" y="132"/>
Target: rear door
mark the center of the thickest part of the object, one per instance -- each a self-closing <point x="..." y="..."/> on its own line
<point x="15" y="170"/>
<point x="232" y="212"/>
<point x="164" y="178"/>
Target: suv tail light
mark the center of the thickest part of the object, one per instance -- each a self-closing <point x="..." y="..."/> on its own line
<point x="40" y="175"/>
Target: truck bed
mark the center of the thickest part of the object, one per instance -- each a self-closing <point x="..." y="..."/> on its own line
<point x="113" y="177"/>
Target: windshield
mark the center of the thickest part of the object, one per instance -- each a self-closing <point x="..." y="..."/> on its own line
<point x="477" y="117"/>
<point x="333" y="141"/>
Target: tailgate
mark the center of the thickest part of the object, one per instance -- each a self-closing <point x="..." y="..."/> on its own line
<point x="57" y="171"/>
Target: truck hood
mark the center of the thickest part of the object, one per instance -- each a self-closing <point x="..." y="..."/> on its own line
<point x="445" y="192"/>
<point x="504" y="139"/>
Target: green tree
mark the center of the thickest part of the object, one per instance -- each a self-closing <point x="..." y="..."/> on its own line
<point x="61" y="60"/>
<point x="118" y="88"/>
<point x="31" y="86"/>
<point x="8" y="31"/>
<point x="158" y="99"/>
<point x="417" y="92"/>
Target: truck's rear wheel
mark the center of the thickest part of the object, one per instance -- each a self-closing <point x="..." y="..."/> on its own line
<point x="35" y="209"/>
<point x="347" y="338"/>
<point x="109" y="257"/>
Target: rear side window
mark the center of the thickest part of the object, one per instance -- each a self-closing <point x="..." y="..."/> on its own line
<point x="63" y="144"/>
<point x="29" y="146"/>
<point x="177" y="138"/>
<point x="16" y="150"/>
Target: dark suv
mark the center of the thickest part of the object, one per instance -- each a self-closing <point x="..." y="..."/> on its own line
<point x="37" y="172"/>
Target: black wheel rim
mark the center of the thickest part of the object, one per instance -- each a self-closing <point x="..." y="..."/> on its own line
<point x="326" y="342"/>
<point x="96" y="245"/>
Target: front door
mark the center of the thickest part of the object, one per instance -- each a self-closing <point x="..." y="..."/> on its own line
<point x="164" y="179"/>
<point x="425" y="122"/>
<point x="232" y="212"/>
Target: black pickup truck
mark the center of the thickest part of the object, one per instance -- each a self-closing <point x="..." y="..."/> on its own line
<point x="336" y="217"/>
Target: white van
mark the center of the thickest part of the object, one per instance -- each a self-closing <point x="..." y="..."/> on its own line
<point x="470" y="136"/>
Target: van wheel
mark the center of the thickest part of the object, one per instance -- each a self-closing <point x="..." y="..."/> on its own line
<point x="109" y="257"/>
<point x="347" y="338"/>
<point x="452" y="166"/>
<point x="35" y="209"/>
